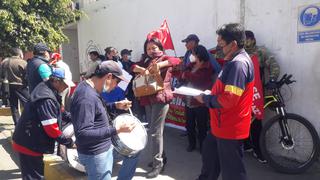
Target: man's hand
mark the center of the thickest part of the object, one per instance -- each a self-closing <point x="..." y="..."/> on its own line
<point x="125" y="126"/>
<point x="199" y="98"/>
<point x="124" y="104"/>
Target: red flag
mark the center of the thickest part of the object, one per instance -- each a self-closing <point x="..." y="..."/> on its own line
<point x="258" y="99"/>
<point x="163" y="34"/>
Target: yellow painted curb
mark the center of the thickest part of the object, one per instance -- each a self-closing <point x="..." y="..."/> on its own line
<point x="5" y="111"/>
<point x="55" y="168"/>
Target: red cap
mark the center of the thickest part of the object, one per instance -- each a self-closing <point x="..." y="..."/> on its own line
<point x="55" y="56"/>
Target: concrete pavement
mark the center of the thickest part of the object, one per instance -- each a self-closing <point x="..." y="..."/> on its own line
<point x="181" y="164"/>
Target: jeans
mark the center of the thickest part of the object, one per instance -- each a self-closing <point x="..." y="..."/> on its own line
<point x="99" y="166"/>
<point x="128" y="167"/>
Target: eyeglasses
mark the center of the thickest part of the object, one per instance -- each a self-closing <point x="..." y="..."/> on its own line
<point x="118" y="80"/>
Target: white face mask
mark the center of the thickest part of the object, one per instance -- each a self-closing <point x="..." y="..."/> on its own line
<point x="192" y="58"/>
<point x="105" y="89"/>
<point x="64" y="92"/>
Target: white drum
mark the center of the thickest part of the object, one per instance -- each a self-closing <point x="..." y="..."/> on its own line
<point x="71" y="154"/>
<point x="129" y="144"/>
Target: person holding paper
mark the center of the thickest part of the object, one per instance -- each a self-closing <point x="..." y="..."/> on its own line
<point x="230" y="104"/>
<point x="198" y="75"/>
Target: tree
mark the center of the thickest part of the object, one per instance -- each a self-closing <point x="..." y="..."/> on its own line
<point x="26" y="22"/>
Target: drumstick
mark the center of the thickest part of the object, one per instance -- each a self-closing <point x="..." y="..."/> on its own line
<point x="129" y="109"/>
<point x="130" y="112"/>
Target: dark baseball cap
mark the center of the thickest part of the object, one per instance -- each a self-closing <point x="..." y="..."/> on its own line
<point x="110" y="67"/>
<point x="41" y="47"/>
<point x="191" y="37"/>
<point x="125" y="51"/>
<point x="249" y="34"/>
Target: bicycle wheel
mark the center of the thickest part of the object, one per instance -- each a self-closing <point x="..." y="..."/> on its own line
<point x="293" y="156"/>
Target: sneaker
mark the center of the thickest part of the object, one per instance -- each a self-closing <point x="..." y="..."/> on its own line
<point x="247" y="148"/>
<point x="155" y="172"/>
<point x="260" y="158"/>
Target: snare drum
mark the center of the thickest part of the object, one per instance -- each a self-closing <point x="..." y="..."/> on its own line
<point x="71" y="155"/>
<point x="129" y="144"/>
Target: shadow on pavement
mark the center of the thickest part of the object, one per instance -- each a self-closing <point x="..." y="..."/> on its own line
<point x="10" y="174"/>
<point x="6" y="144"/>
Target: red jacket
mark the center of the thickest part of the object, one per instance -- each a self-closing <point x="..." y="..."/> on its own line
<point x="201" y="79"/>
<point x="231" y="99"/>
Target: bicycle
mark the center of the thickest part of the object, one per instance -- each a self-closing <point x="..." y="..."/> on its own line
<point x="288" y="141"/>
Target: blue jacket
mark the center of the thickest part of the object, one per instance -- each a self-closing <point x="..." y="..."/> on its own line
<point x="90" y="120"/>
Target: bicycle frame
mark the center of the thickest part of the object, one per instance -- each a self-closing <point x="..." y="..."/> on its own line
<point x="277" y="99"/>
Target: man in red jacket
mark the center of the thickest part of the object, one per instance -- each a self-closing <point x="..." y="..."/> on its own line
<point x="230" y="104"/>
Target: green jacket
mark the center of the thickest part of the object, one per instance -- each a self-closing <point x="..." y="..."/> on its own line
<point x="269" y="68"/>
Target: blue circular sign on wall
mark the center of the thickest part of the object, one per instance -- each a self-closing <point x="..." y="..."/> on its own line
<point x="310" y="16"/>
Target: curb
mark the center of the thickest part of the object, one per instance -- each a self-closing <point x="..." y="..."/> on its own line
<point x="56" y="168"/>
<point x="5" y="111"/>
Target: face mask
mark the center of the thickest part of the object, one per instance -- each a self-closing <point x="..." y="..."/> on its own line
<point x="192" y="58"/>
<point x="64" y="92"/>
<point x="105" y="89"/>
<point x="115" y="58"/>
<point x="63" y="95"/>
<point x="157" y="54"/>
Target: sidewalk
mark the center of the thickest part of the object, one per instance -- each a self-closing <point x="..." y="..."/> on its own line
<point x="181" y="164"/>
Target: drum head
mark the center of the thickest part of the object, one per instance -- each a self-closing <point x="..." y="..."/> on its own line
<point x="137" y="138"/>
<point x="68" y="131"/>
<point x="72" y="155"/>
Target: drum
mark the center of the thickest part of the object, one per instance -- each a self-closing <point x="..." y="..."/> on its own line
<point x="70" y="155"/>
<point x="129" y="144"/>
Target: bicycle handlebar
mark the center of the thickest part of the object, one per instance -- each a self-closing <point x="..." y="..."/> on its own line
<point x="286" y="79"/>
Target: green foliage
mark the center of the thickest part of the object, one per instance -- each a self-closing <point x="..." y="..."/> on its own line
<point x="26" y="22"/>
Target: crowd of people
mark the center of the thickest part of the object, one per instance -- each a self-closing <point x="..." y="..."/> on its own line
<point x="218" y="122"/>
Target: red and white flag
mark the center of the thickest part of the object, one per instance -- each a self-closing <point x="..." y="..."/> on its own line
<point x="163" y="34"/>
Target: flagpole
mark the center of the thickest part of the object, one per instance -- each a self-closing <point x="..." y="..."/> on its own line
<point x="174" y="49"/>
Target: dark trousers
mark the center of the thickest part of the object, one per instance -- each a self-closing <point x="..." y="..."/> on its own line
<point x="4" y="88"/>
<point x="17" y="93"/>
<point x="255" y="131"/>
<point x="223" y="156"/>
<point x="254" y="138"/>
<point x="32" y="167"/>
<point x="197" y="117"/>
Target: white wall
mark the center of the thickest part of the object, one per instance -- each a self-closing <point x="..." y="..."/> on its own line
<point x="125" y="24"/>
<point x="275" y="24"/>
<point x="70" y="53"/>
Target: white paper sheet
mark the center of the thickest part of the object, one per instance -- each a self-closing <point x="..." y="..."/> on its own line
<point x="187" y="91"/>
<point x="122" y="84"/>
